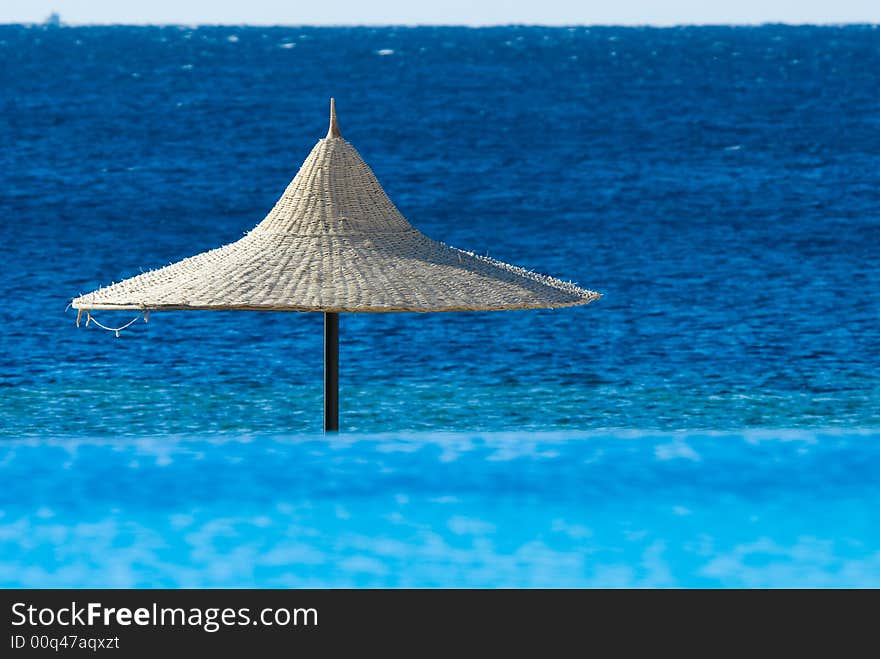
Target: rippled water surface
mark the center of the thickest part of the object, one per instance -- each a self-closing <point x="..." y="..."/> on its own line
<point x="719" y="186"/>
<point x="521" y="510"/>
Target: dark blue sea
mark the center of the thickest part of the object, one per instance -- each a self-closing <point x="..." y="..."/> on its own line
<point x="713" y="420"/>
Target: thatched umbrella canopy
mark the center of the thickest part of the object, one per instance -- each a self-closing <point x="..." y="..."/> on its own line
<point x="335" y="243"/>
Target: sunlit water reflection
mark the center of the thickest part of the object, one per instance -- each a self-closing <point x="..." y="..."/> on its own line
<point x="755" y="509"/>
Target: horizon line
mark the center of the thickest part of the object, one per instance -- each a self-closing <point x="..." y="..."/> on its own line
<point x="74" y="24"/>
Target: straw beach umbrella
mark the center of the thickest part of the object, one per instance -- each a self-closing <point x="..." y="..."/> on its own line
<point x="335" y="243"/>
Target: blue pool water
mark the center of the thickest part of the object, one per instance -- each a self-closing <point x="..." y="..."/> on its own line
<point x="712" y="420"/>
<point x="517" y="509"/>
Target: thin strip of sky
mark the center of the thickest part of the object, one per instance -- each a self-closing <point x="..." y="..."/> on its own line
<point x="449" y="12"/>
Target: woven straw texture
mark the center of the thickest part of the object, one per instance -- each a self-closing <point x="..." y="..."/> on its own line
<point x="335" y="242"/>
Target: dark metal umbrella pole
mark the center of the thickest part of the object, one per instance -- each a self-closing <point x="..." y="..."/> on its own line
<point x="331" y="372"/>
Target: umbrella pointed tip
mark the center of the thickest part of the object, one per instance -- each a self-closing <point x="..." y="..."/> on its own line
<point x="334" y="126"/>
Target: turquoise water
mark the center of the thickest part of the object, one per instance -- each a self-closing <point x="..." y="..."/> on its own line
<point x="711" y="421"/>
<point x="522" y="510"/>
